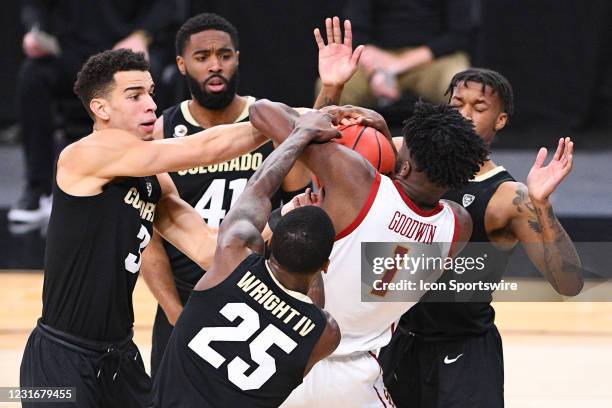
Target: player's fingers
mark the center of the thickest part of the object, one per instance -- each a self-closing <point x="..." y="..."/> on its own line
<point x="337" y="31"/>
<point x="357" y="55"/>
<point x="559" y="150"/>
<point x="539" y="161"/>
<point x="348" y="34"/>
<point x="328" y="30"/>
<point x="319" y="39"/>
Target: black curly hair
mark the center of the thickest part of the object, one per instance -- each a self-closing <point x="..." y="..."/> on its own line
<point x="96" y="77"/>
<point x="303" y="240"/>
<point x="202" y="22"/>
<point x="443" y="145"/>
<point x="486" y="77"/>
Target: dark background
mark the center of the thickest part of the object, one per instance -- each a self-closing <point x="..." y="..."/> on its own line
<point x="556" y="53"/>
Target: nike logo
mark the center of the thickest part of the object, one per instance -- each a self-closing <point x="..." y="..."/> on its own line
<point x="451" y="360"/>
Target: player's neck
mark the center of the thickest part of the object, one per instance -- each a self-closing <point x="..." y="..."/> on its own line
<point x="486" y="166"/>
<point x="291" y="281"/>
<point x="420" y="193"/>
<point x="208" y="118"/>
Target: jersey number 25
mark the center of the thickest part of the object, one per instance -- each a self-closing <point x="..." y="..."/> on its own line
<point x="243" y="332"/>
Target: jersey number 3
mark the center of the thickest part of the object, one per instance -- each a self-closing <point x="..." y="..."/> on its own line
<point x="258" y="346"/>
<point x="132" y="262"/>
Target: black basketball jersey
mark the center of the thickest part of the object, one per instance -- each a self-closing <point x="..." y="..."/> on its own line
<point x="211" y="190"/>
<point x="93" y="256"/>
<point x="439" y="314"/>
<point x="242" y="343"/>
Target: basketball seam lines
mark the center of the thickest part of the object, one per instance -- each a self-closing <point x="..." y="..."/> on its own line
<point x="358" y="137"/>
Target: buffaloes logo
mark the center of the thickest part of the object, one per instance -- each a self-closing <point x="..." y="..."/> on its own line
<point x="180" y="131"/>
<point x="467" y="200"/>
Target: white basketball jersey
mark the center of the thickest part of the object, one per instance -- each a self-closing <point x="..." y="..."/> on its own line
<point x="387" y="216"/>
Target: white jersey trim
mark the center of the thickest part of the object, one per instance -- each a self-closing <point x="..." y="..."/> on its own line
<point x="191" y="120"/>
<point x="488" y="174"/>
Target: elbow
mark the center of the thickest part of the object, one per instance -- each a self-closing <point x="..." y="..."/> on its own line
<point x="256" y="110"/>
<point x="570" y="288"/>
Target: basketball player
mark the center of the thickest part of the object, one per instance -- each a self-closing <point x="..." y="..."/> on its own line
<point x="210" y="360"/>
<point x="107" y="200"/>
<point x="362" y="205"/>
<point x="207" y="56"/>
<point x="450" y="354"/>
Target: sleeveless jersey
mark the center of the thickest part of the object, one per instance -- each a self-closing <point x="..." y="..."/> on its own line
<point x="436" y="317"/>
<point x="93" y="256"/>
<point x="368" y="325"/>
<point x="211" y="190"/>
<point x="242" y="343"/>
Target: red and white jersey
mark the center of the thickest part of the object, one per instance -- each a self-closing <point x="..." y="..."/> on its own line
<point x="387" y="216"/>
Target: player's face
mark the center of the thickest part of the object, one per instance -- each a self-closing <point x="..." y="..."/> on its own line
<point x="484" y="109"/>
<point x="209" y="63"/>
<point x="130" y="105"/>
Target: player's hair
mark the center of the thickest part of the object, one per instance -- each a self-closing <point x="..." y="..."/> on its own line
<point x="443" y="145"/>
<point x="96" y="77"/>
<point x="202" y="22"/>
<point x="486" y="77"/>
<point x="303" y="240"/>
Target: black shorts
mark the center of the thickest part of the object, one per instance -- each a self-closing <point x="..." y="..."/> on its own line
<point x="458" y="373"/>
<point x="162" y="329"/>
<point x="105" y="375"/>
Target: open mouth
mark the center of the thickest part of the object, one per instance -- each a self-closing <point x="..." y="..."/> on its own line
<point x="215" y="84"/>
<point x="148" y="126"/>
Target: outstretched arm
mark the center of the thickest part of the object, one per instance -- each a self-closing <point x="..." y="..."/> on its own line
<point x="337" y="61"/>
<point x="86" y="165"/>
<point x="346" y="176"/>
<point x="241" y="229"/>
<point x="546" y="242"/>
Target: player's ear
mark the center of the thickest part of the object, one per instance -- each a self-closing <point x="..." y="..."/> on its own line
<point x="99" y="108"/>
<point x="325" y="266"/>
<point x="237" y="58"/>
<point x="404" y="169"/>
<point x="180" y="63"/>
<point x="501" y="121"/>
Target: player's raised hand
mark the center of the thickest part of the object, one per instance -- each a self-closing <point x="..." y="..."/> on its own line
<point x="319" y="126"/>
<point x="542" y="179"/>
<point x="337" y="60"/>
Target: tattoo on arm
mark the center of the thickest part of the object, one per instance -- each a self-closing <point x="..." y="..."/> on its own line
<point x="522" y="204"/>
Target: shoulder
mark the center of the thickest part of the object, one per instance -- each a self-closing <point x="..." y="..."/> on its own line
<point x="93" y="147"/>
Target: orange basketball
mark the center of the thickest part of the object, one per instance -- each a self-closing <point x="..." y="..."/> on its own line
<point x="369" y="143"/>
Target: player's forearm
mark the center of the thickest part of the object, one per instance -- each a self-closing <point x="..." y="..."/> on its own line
<point x="223" y="142"/>
<point x="157" y="273"/>
<point x="561" y="260"/>
<point x="272" y="119"/>
<point x="255" y="204"/>
<point x="329" y="95"/>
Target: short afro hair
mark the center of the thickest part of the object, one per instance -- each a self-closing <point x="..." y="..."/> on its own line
<point x="486" y="77"/>
<point x="96" y="77"/>
<point x="202" y="22"/>
<point x="303" y="240"/>
<point x="443" y="145"/>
